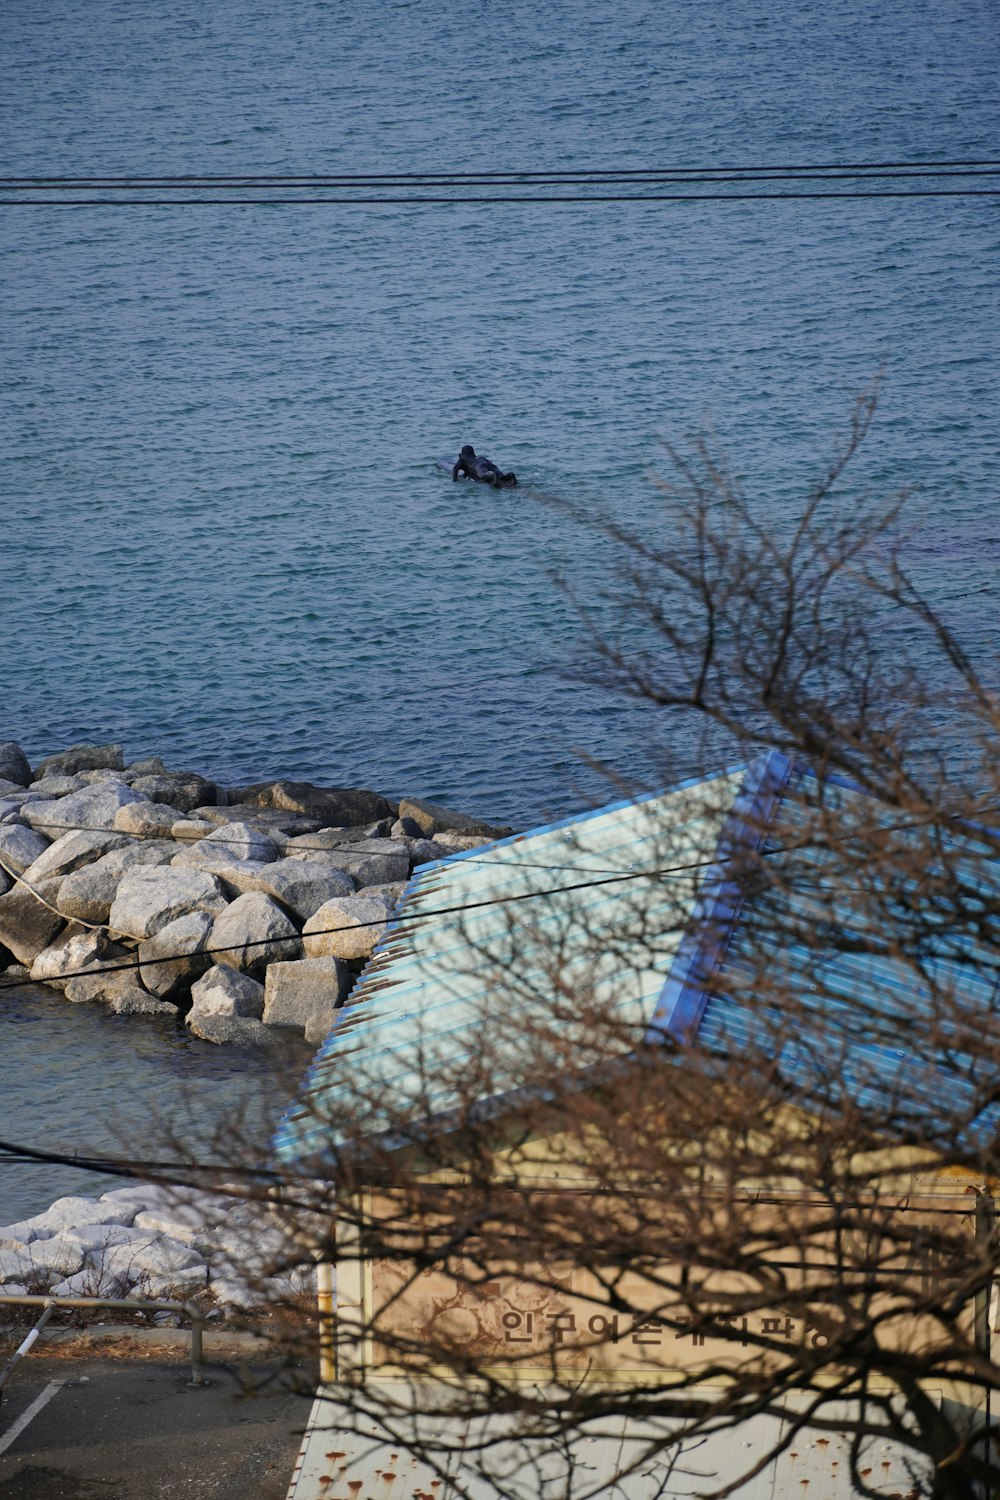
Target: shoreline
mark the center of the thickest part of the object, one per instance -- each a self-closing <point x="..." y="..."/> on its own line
<point x="245" y="913"/>
<point x="242" y="910"/>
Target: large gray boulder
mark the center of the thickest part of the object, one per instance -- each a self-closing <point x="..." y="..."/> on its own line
<point x="73" y="950"/>
<point x="433" y="818"/>
<point x="149" y="1254"/>
<point x="322" y="841"/>
<point x="117" y="988"/>
<point x="234" y="873"/>
<point x="318" y="1026"/>
<point x="370" y="862"/>
<point x="70" y="851"/>
<point x="347" y="927"/>
<point x="233" y="844"/>
<point x="190" y="830"/>
<point x="270" y="820"/>
<point x="102" y="773"/>
<point x="88" y="894"/>
<point x="175" y="956"/>
<point x="305" y="994"/>
<point x="97" y="1237"/>
<point x="248" y="1243"/>
<point x="244" y="1031"/>
<point x="11" y="804"/>
<point x="185" y="1218"/>
<point x="73" y="1212"/>
<point x="299" y="885"/>
<point x="148" y="897"/>
<point x="215" y="860"/>
<point x="57" y="786"/>
<point x="137" y="852"/>
<point x="226" y="992"/>
<point x="14" y="764"/>
<point x="427" y="851"/>
<point x="44" y="1261"/>
<point x="20" y="846"/>
<point x="81" y="758"/>
<point x="184" y="790"/>
<point x="140" y="1195"/>
<point x="27" y="925"/>
<point x="244" y="842"/>
<point x="149" y="765"/>
<point x="252" y="932"/>
<point x="21" y="1233"/>
<point x="454" y="842"/>
<point x="91" y="1281"/>
<point x="133" y="1000"/>
<point x="146" y="819"/>
<point x="329" y="805"/>
<point x="120" y="991"/>
<point x="93" y="807"/>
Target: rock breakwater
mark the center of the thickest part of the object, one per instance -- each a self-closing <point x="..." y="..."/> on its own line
<point x="148" y="1241"/>
<point x="242" y="911"/>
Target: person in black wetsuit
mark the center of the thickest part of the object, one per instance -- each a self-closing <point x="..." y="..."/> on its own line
<point x="483" y="470"/>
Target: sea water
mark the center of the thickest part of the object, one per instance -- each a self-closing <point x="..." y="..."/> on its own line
<point x="226" y="540"/>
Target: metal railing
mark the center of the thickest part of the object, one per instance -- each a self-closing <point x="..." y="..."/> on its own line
<point x="50" y="1304"/>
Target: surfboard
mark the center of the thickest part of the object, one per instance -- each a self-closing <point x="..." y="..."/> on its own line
<point x="447" y="464"/>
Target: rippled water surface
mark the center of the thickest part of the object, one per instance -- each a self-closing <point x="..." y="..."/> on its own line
<point x="78" y="1079"/>
<point x="225" y="536"/>
<point x="225" y="539"/>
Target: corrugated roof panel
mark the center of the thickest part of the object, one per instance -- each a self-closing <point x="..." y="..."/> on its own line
<point x="471" y="955"/>
<point x="637" y="909"/>
<point x="921" y="1025"/>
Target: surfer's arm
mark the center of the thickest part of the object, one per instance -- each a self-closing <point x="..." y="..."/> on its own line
<point x="458" y="469"/>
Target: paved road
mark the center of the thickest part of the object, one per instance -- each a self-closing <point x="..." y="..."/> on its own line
<point x="95" y="1428"/>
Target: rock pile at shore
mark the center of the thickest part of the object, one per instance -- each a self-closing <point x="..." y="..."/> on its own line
<point x="158" y="892"/>
<point x="146" y="1241"/>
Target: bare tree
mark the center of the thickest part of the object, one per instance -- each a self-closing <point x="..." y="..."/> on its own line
<point x="571" y="1213"/>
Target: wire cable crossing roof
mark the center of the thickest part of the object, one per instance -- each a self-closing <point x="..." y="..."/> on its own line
<point x="669" y="952"/>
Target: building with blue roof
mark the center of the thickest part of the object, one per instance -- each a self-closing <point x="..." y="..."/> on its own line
<point x="762" y="917"/>
<point x="655" y="909"/>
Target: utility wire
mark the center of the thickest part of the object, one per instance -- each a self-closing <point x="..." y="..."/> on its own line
<point x="536" y="180"/>
<point x="494" y="200"/>
<point x="513" y="174"/>
<point x="509" y="186"/>
<point x="404" y="923"/>
<point x="12" y="1153"/>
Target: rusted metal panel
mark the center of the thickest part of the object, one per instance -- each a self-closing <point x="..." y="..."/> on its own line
<point x="627" y="1460"/>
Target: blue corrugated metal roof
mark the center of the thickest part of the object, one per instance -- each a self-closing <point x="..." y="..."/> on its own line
<point x="477" y="930"/>
<point x="872" y="1026"/>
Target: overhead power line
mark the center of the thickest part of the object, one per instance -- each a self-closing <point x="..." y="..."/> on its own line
<point x="511" y="186"/>
<point x="403" y="922"/>
<point x="494" y="200"/>
<point x="13" y="1153"/>
<point x="965" y="166"/>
